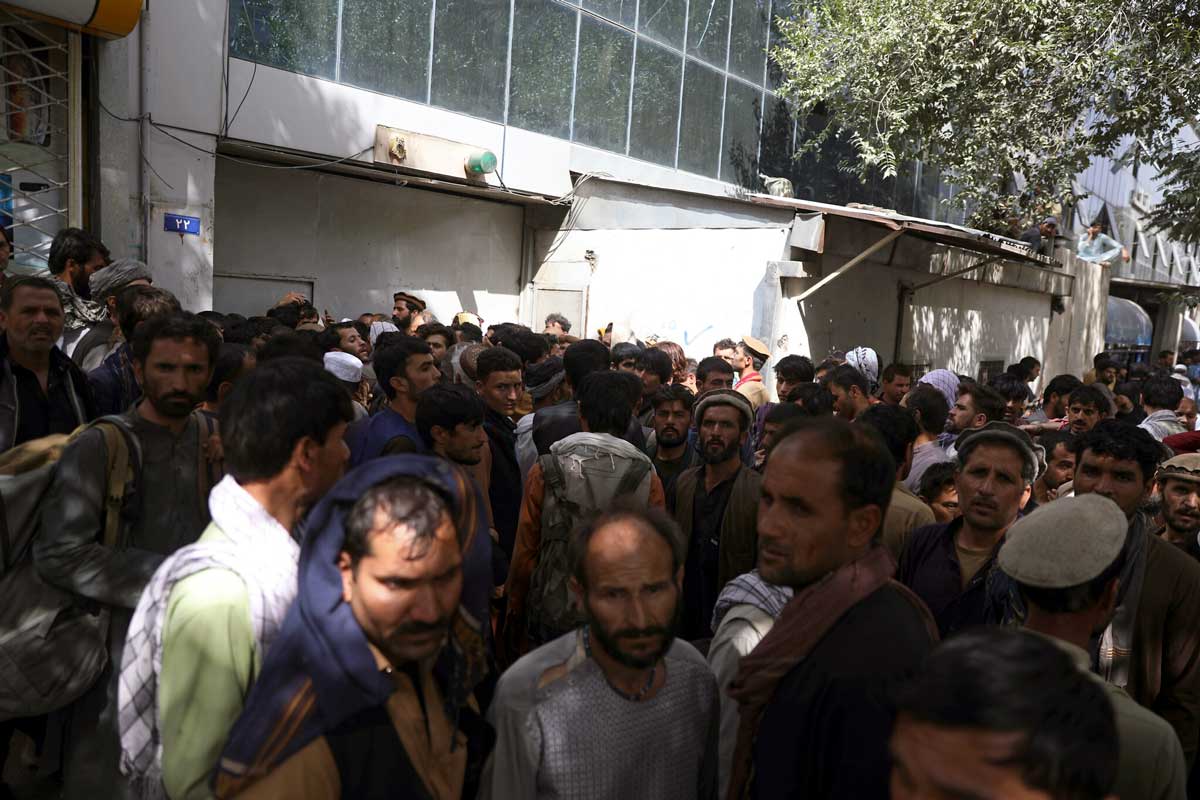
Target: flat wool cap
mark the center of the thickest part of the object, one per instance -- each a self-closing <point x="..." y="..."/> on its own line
<point x="1184" y="468"/>
<point x="411" y="299"/>
<point x="1064" y="543"/>
<point x="725" y="397"/>
<point x="755" y="346"/>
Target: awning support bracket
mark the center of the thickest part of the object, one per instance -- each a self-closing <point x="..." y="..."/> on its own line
<point x="956" y="274"/>
<point x="865" y="254"/>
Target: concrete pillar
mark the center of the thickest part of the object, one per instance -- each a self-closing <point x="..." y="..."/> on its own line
<point x="1168" y="325"/>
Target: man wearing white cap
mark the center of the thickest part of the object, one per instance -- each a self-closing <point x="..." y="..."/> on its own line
<point x="348" y="369"/>
<point x="1066" y="560"/>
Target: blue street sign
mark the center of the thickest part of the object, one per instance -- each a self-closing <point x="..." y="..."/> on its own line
<point x="177" y="223"/>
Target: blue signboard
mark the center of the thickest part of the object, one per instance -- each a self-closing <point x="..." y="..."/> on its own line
<point x="177" y="223"/>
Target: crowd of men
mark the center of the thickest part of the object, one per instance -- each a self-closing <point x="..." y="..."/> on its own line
<point x="290" y="556"/>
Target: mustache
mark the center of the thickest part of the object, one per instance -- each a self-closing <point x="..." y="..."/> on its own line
<point x="418" y="628"/>
<point x="641" y="633"/>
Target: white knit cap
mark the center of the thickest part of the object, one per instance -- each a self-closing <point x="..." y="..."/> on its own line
<point x="343" y="366"/>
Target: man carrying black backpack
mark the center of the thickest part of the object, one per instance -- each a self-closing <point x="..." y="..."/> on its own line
<point x="175" y="463"/>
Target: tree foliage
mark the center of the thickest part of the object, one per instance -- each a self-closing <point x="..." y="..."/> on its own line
<point x="1012" y="98"/>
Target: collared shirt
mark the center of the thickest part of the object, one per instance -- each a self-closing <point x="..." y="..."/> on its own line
<point x="700" y="575"/>
<point x="930" y="567"/>
<point x="924" y="457"/>
<point x="1102" y="248"/>
<point x="43" y="413"/>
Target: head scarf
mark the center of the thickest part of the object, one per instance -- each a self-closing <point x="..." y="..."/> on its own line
<point x="945" y="382"/>
<point x="320" y="671"/>
<point x="866" y="361"/>
<point x="116" y="276"/>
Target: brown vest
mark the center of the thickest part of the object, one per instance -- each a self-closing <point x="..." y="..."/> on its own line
<point x="739" y="525"/>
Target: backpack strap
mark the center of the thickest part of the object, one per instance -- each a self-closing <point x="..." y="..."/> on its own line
<point x="118" y="476"/>
<point x="556" y="486"/>
<point x="632" y="478"/>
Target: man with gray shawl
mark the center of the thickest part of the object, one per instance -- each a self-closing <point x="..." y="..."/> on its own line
<point x="76" y="255"/>
<point x="103" y="338"/>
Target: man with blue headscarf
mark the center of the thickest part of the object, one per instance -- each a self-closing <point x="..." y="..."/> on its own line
<point x="367" y="691"/>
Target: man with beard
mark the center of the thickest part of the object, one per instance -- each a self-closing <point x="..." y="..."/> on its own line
<point x="75" y="255"/>
<point x="345" y="336"/>
<point x="851" y="392"/>
<point x="814" y="713"/>
<point x="41" y="390"/>
<point x="1060" y="467"/>
<point x="716" y="504"/>
<point x="1152" y="647"/>
<point x="950" y="566"/>
<point x="174" y="466"/>
<point x="405" y="369"/>
<point x="406" y="310"/>
<point x="672" y="422"/>
<point x="1086" y="406"/>
<point x="616" y="708"/>
<point x="1179" y="486"/>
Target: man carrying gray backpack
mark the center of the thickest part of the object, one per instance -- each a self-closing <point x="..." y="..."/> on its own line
<point x="583" y="474"/>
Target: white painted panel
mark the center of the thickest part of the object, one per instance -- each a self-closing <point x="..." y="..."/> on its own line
<point x="78" y="12"/>
<point x="362" y="241"/>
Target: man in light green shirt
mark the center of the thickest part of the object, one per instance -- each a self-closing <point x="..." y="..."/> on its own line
<point x="216" y="605"/>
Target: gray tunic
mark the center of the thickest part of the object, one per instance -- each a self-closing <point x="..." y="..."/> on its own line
<point x="575" y="737"/>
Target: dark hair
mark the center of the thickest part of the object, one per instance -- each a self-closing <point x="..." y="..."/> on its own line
<point x="652" y="518"/>
<point x="1029" y="364"/>
<point x="1131" y="390"/>
<point x="712" y="364"/>
<point x="1005" y="680"/>
<point x="936" y="478"/>
<point x="1061" y="385"/>
<point x="1052" y="439"/>
<point x="137" y="303"/>
<point x="308" y="311"/>
<point x="470" y="332"/>
<point x="287" y="315"/>
<point x="656" y="362"/>
<point x="496" y="359"/>
<point x="623" y="351"/>
<point x="1087" y="394"/>
<point x="389" y="338"/>
<point x="529" y="346"/>
<point x="1163" y="353"/>
<point x="987" y="401"/>
<point x="9" y="290"/>
<point x="725" y="344"/>
<point x="583" y="358"/>
<point x="406" y="500"/>
<point x="272" y="408"/>
<point x="231" y="359"/>
<point x="391" y="360"/>
<point x="605" y="402"/>
<point x="73" y="244"/>
<point x="331" y="338"/>
<point x="783" y="413"/>
<point x="795" y="369"/>
<point x="930" y="407"/>
<point x="892" y="370"/>
<point x="1160" y="391"/>
<point x="215" y="317"/>
<point x="895" y="424"/>
<point x="447" y="406"/>
<point x="1122" y="442"/>
<point x="176" y="325"/>
<point x="868" y="471"/>
<point x="437" y="329"/>
<point x="1102" y="361"/>
<point x="846" y="376"/>
<point x="1073" y="599"/>
<point x="240" y="331"/>
<point x="814" y="398"/>
<point x="292" y="344"/>
<point x="1010" y="387"/>
<point x="679" y="365"/>
<point x="562" y="321"/>
<point x="827" y="364"/>
<point x="673" y="393"/>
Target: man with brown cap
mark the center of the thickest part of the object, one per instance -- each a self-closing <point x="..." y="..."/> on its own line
<point x="404" y="306"/>
<point x="1179" y="486"/>
<point x="951" y="566"/>
<point x="1066" y="560"/>
<point x="750" y="357"/>
<point x="716" y="505"/>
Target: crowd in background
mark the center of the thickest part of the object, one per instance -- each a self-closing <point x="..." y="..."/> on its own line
<point x="307" y="556"/>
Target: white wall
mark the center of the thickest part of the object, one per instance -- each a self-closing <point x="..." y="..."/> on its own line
<point x="363" y="240"/>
